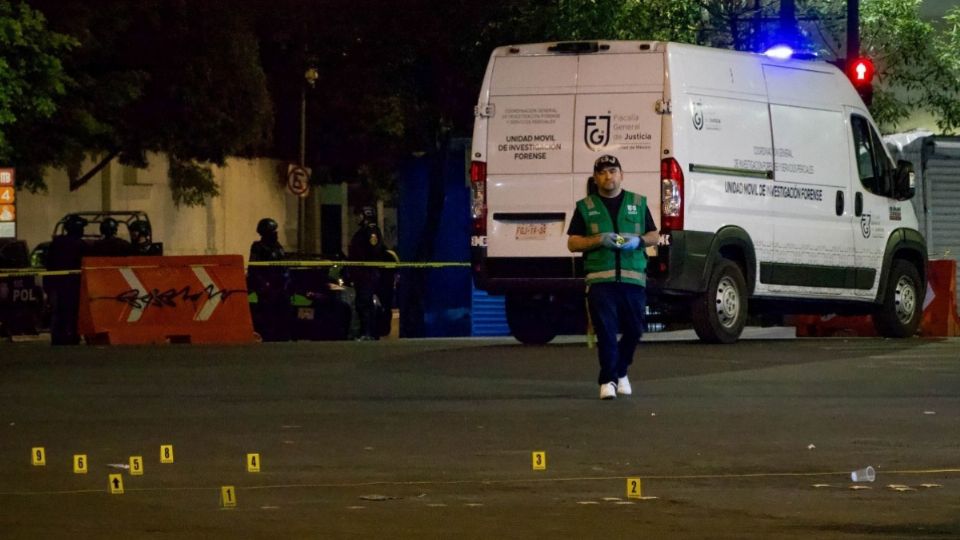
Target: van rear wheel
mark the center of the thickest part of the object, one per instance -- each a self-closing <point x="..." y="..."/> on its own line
<point x="898" y="316"/>
<point x="720" y="313"/>
<point x="532" y="318"/>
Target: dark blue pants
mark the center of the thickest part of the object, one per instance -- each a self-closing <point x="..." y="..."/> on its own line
<point x="616" y="308"/>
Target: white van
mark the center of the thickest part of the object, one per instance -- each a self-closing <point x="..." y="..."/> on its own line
<point x="766" y="177"/>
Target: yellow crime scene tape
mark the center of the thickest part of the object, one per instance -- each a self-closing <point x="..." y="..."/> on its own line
<point x="19" y="272"/>
<point x="372" y="264"/>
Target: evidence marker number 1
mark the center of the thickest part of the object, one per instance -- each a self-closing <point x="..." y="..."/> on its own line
<point x="228" y="497"/>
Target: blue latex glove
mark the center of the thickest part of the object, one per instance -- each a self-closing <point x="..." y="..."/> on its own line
<point x="632" y="242"/>
<point x="610" y="240"/>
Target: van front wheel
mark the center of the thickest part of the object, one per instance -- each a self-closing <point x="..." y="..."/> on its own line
<point x="898" y="316"/>
<point x="720" y="313"/>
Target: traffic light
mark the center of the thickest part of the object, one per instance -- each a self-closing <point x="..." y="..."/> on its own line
<point x="860" y="70"/>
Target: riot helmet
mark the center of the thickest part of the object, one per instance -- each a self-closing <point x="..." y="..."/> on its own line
<point x="108" y="227"/>
<point x="267" y="226"/>
<point x="368" y="215"/>
<point x="74" y="225"/>
<point x="140" y="232"/>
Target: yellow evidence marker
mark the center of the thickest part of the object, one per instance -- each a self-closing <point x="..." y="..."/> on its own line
<point x="634" y="489"/>
<point x="80" y="464"/>
<point x="116" y="484"/>
<point x="253" y="462"/>
<point x="38" y="456"/>
<point x="540" y="461"/>
<point x="136" y="465"/>
<point x="166" y="453"/>
<point x="228" y="497"/>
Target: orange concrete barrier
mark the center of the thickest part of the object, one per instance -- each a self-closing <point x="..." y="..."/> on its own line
<point x="182" y="299"/>
<point x="940" y="317"/>
<point x="940" y="314"/>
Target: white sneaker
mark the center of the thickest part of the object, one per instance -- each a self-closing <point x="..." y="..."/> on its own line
<point x="623" y="386"/>
<point x="608" y="390"/>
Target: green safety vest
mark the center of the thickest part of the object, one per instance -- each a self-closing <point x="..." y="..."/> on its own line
<point x="601" y="263"/>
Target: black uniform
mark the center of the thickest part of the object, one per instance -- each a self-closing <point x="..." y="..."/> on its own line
<point x="266" y="250"/>
<point x="111" y="246"/>
<point x="270" y="285"/>
<point x="367" y="245"/>
<point x="65" y="253"/>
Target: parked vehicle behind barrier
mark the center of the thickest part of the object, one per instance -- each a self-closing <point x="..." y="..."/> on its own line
<point x="766" y="177"/>
<point x="300" y="303"/>
<point x="124" y="219"/>
<point x="21" y="297"/>
<point x="24" y="308"/>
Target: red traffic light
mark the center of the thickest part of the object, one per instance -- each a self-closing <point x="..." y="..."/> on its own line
<point x="860" y="70"/>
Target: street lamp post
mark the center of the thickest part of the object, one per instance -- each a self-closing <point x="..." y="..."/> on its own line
<point x="853" y="29"/>
<point x="310" y="76"/>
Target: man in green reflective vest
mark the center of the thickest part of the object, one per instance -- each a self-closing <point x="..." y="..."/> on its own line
<point x="611" y="227"/>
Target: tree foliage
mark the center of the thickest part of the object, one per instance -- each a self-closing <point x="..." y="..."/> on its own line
<point x="661" y="20"/>
<point x="171" y="76"/>
<point x="201" y="80"/>
<point x="918" y="65"/>
<point x="32" y="77"/>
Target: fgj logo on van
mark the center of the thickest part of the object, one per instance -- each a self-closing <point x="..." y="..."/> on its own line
<point x="596" y="131"/>
<point x="697" y="115"/>
<point x="865" y="225"/>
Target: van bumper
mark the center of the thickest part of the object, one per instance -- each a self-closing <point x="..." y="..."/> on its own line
<point x="499" y="275"/>
<point x="679" y="268"/>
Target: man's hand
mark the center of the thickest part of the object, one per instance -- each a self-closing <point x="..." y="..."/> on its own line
<point x="611" y="240"/>
<point x="632" y="242"/>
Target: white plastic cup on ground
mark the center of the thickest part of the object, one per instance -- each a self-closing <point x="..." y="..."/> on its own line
<point x="863" y="475"/>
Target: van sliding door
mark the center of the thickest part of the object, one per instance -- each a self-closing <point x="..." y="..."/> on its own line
<point x="811" y="202"/>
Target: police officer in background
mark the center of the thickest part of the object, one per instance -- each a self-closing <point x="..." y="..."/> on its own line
<point x="109" y="244"/>
<point x="367" y="245"/>
<point x="141" y="237"/>
<point x="65" y="253"/>
<point x="268" y="247"/>
<point x="269" y="283"/>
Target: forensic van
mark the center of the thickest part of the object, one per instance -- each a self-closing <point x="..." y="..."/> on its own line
<point x="766" y="177"/>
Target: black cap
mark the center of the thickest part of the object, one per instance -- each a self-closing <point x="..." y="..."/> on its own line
<point x="606" y="161"/>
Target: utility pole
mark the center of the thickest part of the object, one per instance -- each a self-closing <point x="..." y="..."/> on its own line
<point x="853" y="29"/>
<point x="788" y="23"/>
<point x="302" y="162"/>
<point x="310" y="77"/>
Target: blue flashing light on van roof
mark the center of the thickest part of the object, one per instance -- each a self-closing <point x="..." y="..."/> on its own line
<point x="781" y="52"/>
<point x="786" y="52"/>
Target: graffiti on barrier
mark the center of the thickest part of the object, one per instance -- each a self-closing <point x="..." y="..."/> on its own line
<point x="169" y="298"/>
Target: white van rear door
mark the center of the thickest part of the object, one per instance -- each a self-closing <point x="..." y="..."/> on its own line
<point x="529" y="155"/>
<point x="617" y="114"/>
<point x="552" y="116"/>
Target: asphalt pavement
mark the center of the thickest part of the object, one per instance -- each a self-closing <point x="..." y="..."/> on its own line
<point x="436" y="439"/>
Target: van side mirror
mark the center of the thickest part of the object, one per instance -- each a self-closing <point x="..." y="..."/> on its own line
<point x="905" y="183"/>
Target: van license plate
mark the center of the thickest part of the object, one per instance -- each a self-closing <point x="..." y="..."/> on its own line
<point x="531" y="231"/>
<point x="305" y="314"/>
